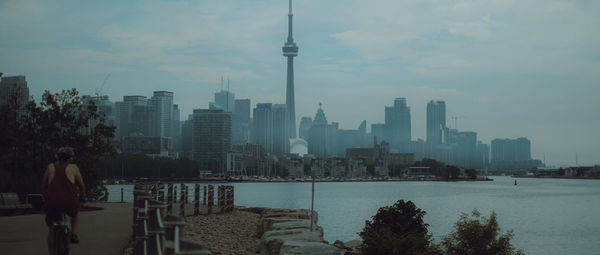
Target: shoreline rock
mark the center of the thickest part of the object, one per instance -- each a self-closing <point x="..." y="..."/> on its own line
<point x="261" y="230"/>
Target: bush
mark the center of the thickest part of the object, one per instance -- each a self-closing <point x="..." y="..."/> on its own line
<point x="479" y="235"/>
<point x="397" y="229"/>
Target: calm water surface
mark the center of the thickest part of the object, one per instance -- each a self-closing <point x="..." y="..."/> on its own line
<point x="548" y="216"/>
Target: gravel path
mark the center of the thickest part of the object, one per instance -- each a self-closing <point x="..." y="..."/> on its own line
<point x="229" y="233"/>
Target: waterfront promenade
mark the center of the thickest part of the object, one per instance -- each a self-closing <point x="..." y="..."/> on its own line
<point x="100" y="232"/>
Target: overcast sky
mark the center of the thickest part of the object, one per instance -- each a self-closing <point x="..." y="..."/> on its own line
<point x="509" y="68"/>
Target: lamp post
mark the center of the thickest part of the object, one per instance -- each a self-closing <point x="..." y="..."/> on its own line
<point x="308" y="162"/>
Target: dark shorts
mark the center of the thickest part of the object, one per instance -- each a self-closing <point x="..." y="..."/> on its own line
<point x="54" y="210"/>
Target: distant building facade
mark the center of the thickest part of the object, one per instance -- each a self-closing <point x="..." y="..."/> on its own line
<point x="14" y="93"/>
<point x="398" y="125"/>
<point x="152" y="146"/>
<point x="241" y="122"/>
<point x="317" y="137"/>
<point x="211" y="139"/>
<point x="436" y="122"/>
<point x="281" y="143"/>
<point x="304" y="128"/>
<point x="262" y="126"/>
<point x="512" y="154"/>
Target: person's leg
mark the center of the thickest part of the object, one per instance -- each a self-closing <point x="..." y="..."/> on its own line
<point x="50" y="241"/>
<point x="74" y="223"/>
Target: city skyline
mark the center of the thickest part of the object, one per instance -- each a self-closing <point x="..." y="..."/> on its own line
<point x="354" y="62"/>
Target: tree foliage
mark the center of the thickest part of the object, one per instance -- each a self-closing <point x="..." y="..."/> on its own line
<point x="478" y="235"/>
<point x="471" y="173"/>
<point x="32" y="137"/>
<point x="397" y="229"/>
<point x="439" y="168"/>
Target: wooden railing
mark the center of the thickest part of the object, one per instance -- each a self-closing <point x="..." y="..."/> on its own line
<point x="157" y="231"/>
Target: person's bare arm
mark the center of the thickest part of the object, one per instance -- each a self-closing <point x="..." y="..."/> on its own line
<point x="79" y="181"/>
<point x="45" y="179"/>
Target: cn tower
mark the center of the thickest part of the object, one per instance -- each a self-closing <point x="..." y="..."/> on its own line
<point x="290" y="50"/>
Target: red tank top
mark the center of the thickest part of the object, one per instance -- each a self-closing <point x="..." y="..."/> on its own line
<point x="61" y="189"/>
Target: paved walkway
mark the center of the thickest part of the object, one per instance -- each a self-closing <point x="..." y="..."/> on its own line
<point x="101" y="232"/>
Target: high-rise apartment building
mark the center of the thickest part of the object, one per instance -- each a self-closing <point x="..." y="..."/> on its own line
<point x="162" y="102"/>
<point x="398" y="126"/>
<point x="436" y="122"/>
<point x="211" y="139"/>
<point x="482" y="160"/>
<point x="512" y="154"/>
<point x="262" y="126"/>
<point x="465" y="151"/>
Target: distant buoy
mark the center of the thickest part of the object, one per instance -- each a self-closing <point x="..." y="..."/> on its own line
<point x="515" y="182"/>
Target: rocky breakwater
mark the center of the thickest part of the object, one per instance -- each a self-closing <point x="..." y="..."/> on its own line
<point x="285" y="231"/>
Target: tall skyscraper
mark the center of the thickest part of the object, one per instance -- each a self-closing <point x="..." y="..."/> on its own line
<point x="176" y="128"/>
<point x="280" y="129"/>
<point x="125" y="111"/>
<point x="224" y="100"/>
<point x="14" y="92"/>
<point x="162" y="101"/>
<point x="240" y="129"/>
<point x="290" y="50"/>
<point x="262" y="126"/>
<point x="436" y="122"/>
<point x="211" y="138"/>
<point x="398" y="125"/>
<point x="317" y="138"/>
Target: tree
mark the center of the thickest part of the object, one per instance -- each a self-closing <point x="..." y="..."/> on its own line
<point x="397" y="229"/>
<point x="61" y="119"/>
<point x="471" y="173"/>
<point x="453" y="171"/>
<point x="479" y="235"/>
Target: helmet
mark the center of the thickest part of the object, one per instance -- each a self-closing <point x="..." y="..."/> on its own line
<point x="65" y="153"/>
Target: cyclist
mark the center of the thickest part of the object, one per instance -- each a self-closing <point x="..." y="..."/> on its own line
<point x="59" y="184"/>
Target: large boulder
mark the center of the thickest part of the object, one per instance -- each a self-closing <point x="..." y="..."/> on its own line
<point x="272" y="241"/>
<point x="297" y="248"/>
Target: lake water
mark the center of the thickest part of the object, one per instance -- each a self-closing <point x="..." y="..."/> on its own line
<point x="548" y="216"/>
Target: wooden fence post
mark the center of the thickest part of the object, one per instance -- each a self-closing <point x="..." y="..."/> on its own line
<point x="187" y="190"/>
<point x="219" y="199"/>
<point x="211" y="197"/>
<point x="174" y="193"/>
<point x="197" y="199"/>
<point x="231" y="204"/>
<point x="204" y="198"/>
<point x="169" y="198"/>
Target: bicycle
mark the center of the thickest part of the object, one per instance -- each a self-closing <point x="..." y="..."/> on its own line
<point x="62" y="231"/>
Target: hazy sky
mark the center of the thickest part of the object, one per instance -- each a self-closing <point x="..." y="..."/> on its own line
<point x="511" y="68"/>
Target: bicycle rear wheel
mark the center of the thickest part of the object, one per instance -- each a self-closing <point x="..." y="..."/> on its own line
<point x="61" y="239"/>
